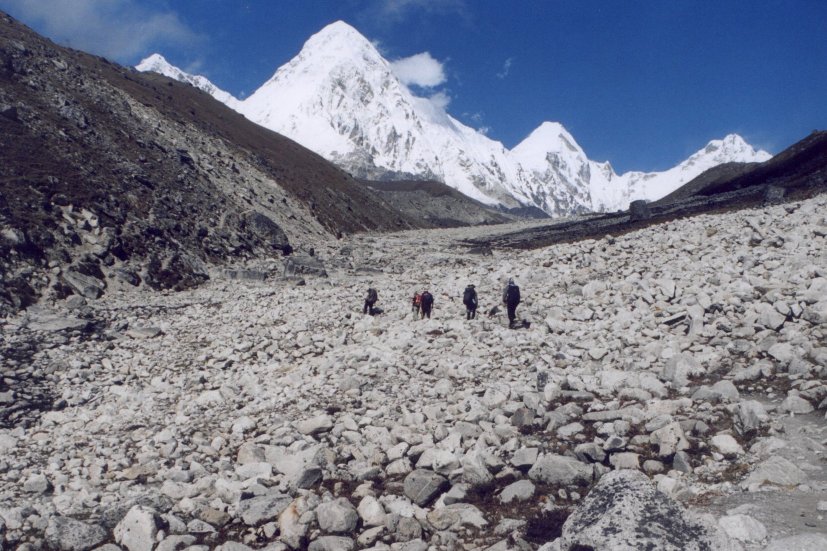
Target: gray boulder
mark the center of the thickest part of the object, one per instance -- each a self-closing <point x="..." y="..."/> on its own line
<point x="69" y="534"/>
<point x="338" y="515"/>
<point x="520" y="490"/>
<point x="266" y="230"/>
<point x="299" y="265"/>
<point x="639" y="210"/>
<point x="84" y="285"/>
<point x="258" y="510"/>
<point x="138" y="529"/>
<point x="560" y="470"/>
<point x="332" y="543"/>
<point x="421" y="486"/>
<point x="625" y="511"/>
<point x="749" y="416"/>
<point x="776" y="470"/>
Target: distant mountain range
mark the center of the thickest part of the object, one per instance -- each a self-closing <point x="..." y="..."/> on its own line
<point x="340" y="98"/>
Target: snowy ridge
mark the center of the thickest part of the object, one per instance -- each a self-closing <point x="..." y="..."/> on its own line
<point x="156" y="63"/>
<point x="550" y="151"/>
<point x="340" y="98"/>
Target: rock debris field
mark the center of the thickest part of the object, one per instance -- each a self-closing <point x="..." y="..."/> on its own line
<point x="665" y="390"/>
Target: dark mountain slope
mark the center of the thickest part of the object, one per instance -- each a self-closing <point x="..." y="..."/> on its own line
<point x="109" y="177"/>
<point x="436" y="203"/>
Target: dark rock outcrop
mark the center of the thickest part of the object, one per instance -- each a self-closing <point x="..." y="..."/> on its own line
<point x="299" y="265"/>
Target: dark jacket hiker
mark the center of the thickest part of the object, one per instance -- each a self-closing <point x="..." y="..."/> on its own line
<point x="370" y="301"/>
<point x="426" y="303"/>
<point x="511" y="298"/>
<point x="469" y="299"/>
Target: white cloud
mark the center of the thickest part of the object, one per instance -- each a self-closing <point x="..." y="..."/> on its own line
<point x="476" y="120"/>
<point x="440" y="100"/>
<point x="399" y="9"/>
<point x="506" y="68"/>
<point x="420" y="70"/>
<point x="122" y="30"/>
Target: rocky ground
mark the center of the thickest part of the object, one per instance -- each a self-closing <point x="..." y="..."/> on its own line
<point x="665" y="390"/>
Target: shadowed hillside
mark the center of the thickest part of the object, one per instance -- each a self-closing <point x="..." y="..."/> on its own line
<point x="110" y="177"/>
<point x="436" y="203"/>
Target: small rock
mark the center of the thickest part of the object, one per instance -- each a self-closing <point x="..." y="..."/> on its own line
<point x="776" y="470"/>
<point x="726" y="445"/>
<point x="796" y="404"/>
<point x="69" y="534"/>
<point x="337" y="516"/>
<point x="258" y="510"/>
<point x="559" y="469"/>
<point x="520" y="490"/>
<point x="331" y="543"/>
<point x="743" y="528"/>
<point x="421" y="486"/>
<point x="137" y="530"/>
<point x="315" y="425"/>
<point x="625" y="460"/>
<point x="371" y="511"/>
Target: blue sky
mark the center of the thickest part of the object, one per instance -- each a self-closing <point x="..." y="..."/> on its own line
<point x="641" y="83"/>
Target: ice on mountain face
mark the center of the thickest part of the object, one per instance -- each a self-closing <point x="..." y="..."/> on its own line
<point x="340" y="98"/>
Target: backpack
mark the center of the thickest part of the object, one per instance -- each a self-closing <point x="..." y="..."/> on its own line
<point x="427" y="299"/>
<point x="417" y="299"/>
<point x="512" y="294"/>
<point x="373" y="296"/>
<point x="469" y="297"/>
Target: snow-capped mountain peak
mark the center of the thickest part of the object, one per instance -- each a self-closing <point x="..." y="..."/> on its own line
<point x="615" y="192"/>
<point x="339" y="97"/>
<point x="732" y="147"/>
<point x="548" y="138"/>
<point x="156" y="63"/>
<point x="341" y="40"/>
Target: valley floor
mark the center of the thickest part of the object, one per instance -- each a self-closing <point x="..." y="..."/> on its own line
<point x="275" y="414"/>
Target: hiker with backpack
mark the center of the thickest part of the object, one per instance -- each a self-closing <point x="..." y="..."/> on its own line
<point x="469" y="299"/>
<point x="426" y="303"/>
<point x="511" y="298"/>
<point x="416" y="303"/>
<point x="370" y="301"/>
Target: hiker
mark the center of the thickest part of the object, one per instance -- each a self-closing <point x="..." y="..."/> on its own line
<point x="426" y="303"/>
<point x="416" y="303"/>
<point x="469" y="299"/>
<point x="511" y="298"/>
<point x="370" y="300"/>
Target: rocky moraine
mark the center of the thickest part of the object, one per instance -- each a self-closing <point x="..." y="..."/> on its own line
<point x="666" y="390"/>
